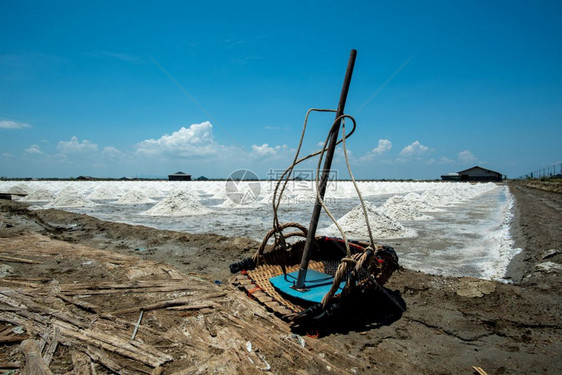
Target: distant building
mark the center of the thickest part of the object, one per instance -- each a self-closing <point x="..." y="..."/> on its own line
<point x="451" y="177"/>
<point x="179" y="176"/>
<point x="473" y="174"/>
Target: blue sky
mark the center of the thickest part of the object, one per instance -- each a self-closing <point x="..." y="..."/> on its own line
<point x="112" y="89"/>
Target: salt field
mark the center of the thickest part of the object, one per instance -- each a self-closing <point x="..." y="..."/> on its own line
<point x="457" y="229"/>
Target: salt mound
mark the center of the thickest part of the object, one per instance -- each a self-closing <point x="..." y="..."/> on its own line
<point x="441" y="197"/>
<point x="40" y="195"/>
<point x="71" y="199"/>
<point x="231" y="204"/>
<point x="417" y="201"/>
<point x="68" y="190"/>
<point x="106" y="192"/>
<point x="152" y="192"/>
<point x="19" y="189"/>
<point x="382" y="226"/>
<point x="134" y="197"/>
<point x="178" y="203"/>
<point x="398" y="208"/>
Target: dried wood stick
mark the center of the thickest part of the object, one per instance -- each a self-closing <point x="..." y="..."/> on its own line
<point x="137" y="325"/>
<point x="107" y="361"/>
<point x="21" y="282"/>
<point x="5" y="299"/>
<point x="182" y="283"/>
<point x="18" y="260"/>
<point x="193" y="307"/>
<point x="154" y="306"/>
<point x="125" y="322"/>
<point x="115" y="344"/>
<point x="169" y="303"/>
<point x="94" y="292"/>
<point x="11" y="338"/>
<point x="31" y="305"/>
<point x="10" y="365"/>
<point x="51" y="347"/>
<point x="86" y="306"/>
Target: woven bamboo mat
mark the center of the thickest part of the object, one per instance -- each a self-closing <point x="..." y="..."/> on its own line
<point x="256" y="284"/>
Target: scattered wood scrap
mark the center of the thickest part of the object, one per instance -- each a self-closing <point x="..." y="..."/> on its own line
<point x="56" y="316"/>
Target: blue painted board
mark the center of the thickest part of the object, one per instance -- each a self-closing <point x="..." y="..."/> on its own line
<point x="316" y="283"/>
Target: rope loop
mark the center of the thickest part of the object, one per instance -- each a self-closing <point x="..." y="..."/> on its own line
<point x="353" y="261"/>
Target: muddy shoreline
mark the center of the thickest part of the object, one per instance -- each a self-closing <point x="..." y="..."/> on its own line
<point x="450" y="324"/>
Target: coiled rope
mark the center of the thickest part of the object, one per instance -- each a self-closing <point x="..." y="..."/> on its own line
<point x="283" y="180"/>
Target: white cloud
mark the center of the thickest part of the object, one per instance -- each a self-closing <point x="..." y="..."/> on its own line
<point x="34" y="149"/>
<point x="267" y="152"/>
<point x="111" y="152"/>
<point x="414" y="149"/>
<point x="73" y="146"/>
<point x="196" y="140"/>
<point x="467" y="157"/>
<point x="6" y="124"/>
<point x="384" y="146"/>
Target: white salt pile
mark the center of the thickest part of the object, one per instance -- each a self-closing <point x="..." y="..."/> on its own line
<point x="70" y="198"/>
<point x="382" y="226"/>
<point x="451" y="194"/>
<point x="398" y="208"/>
<point x="106" y="192"/>
<point x="245" y="204"/>
<point x="134" y="197"/>
<point x="67" y="190"/>
<point x="179" y="203"/>
<point x="152" y="192"/>
<point x="19" y="189"/>
<point x="417" y="201"/>
<point x="41" y="195"/>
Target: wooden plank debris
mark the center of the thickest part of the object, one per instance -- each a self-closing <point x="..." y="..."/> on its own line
<point x="189" y="325"/>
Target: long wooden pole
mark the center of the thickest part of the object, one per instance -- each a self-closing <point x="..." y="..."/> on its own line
<point x="334" y="131"/>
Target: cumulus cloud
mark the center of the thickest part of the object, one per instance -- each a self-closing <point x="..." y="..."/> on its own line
<point x="34" y="149"/>
<point x="265" y="151"/>
<point x="414" y="149"/>
<point x="467" y="157"/>
<point x="384" y="146"/>
<point x="6" y="124"/>
<point x="196" y="140"/>
<point x="73" y="146"/>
